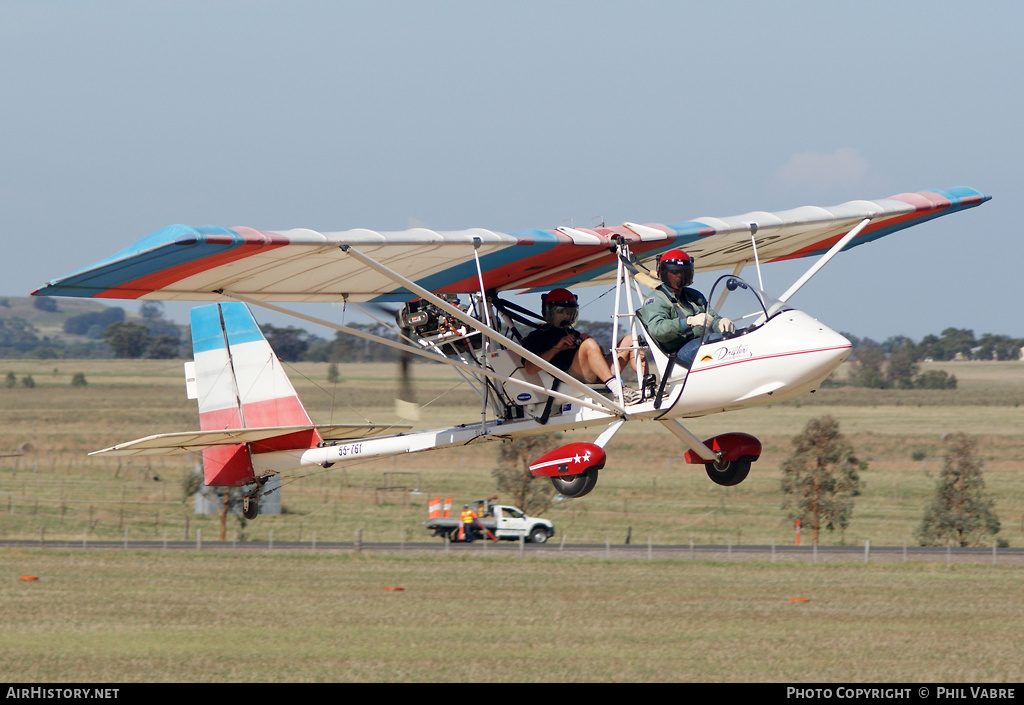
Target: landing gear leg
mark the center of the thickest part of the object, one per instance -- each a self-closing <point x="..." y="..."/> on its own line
<point x="251" y="501"/>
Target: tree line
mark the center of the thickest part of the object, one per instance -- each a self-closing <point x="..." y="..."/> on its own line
<point x="895" y="363"/>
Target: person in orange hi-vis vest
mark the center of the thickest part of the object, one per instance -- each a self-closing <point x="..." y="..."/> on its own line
<point x="468" y="517"/>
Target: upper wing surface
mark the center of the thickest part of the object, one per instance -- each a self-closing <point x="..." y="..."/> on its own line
<point x="199" y="264"/>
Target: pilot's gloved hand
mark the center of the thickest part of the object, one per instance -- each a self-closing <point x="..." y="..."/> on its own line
<point x="698" y="319"/>
<point x="726" y="326"/>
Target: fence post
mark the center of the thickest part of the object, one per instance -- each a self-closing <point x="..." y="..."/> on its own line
<point x="867" y="550"/>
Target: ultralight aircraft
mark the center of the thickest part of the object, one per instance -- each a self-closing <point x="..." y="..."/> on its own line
<point x="253" y="426"/>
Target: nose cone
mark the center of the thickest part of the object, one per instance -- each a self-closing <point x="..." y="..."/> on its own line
<point x="819" y="343"/>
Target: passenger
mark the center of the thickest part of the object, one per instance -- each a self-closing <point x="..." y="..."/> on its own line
<point x="557" y="342"/>
<point x="675" y="315"/>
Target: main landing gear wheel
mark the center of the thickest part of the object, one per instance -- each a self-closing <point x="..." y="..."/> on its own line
<point x="576" y="485"/>
<point x="729" y="472"/>
<point x="251" y="507"/>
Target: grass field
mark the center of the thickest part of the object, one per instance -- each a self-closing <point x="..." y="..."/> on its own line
<point x="123" y="617"/>
<point x="113" y="616"/>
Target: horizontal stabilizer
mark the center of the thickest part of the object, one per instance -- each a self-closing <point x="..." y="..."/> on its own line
<point x="194" y="441"/>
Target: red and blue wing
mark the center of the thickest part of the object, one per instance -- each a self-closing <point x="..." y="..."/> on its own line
<point x="198" y="264"/>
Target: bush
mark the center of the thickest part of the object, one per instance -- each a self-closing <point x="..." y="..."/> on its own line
<point x="79" y="380"/>
<point x="935" y="379"/>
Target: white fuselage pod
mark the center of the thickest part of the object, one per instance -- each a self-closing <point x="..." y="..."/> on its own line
<point x="789" y="355"/>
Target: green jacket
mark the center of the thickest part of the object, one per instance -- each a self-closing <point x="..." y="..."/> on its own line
<point x="665" y="316"/>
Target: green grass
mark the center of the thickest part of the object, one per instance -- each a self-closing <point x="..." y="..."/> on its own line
<point x="111" y="616"/>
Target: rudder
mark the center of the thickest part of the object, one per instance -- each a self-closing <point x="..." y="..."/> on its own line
<point x="239" y="383"/>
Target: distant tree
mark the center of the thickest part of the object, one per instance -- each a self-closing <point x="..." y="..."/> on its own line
<point x="152" y="313"/>
<point x="11" y="380"/>
<point x="18" y="335"/>
<point x="999" y="347"/>
<point x="151" y="310"/>
<point x="83" y="324"/>
<point x="868" y="359"/>
<point x="820" y="479"/>
<point x="127" y="340"/>
<point x="902" y="365"/>
<point x="960" y="512"/>
<point x="78" y="380"/>
<point x="28" y="382"/>
<point x="163" y="347"/>
<point x="930" y="348"/>
<point x="957" y="343"/>
<point x="332" y="373"/>
<point x="228" y="499"/>
<point x="531" y="494"/>
<point x="289" y="343"/>
<point x="45" y="303"/>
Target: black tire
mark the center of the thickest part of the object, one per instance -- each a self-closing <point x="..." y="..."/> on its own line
<point x="538" y="534"/>
<point x="575" y="485"/>
<point x="729" y="473"/>
<point x="251" y="508"/>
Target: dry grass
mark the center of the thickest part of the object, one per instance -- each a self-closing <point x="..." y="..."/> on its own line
<point x="101" y="617"/>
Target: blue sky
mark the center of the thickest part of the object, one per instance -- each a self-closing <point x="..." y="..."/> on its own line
<point x="122" y="117"/>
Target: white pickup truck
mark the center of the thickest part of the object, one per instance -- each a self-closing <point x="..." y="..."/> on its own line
<point x="499" y="521"/>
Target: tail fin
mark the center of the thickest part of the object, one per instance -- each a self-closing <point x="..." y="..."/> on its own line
<point x="239" y="383"/>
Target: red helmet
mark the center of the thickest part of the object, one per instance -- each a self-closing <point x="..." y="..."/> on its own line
<point x="674" y="262"/>
<point x="563" y="299"/>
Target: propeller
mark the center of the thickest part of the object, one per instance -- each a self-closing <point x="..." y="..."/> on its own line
<point x="405" y="403"/>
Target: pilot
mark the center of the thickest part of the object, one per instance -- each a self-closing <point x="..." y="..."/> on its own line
<point x="676" y="315"/>
<point x="557" y="342"/>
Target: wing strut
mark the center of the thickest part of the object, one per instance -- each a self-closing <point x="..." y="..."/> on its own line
<point x="484" y="329"/>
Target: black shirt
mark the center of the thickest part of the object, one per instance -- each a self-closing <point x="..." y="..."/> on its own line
<point x="546" y="337"/>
